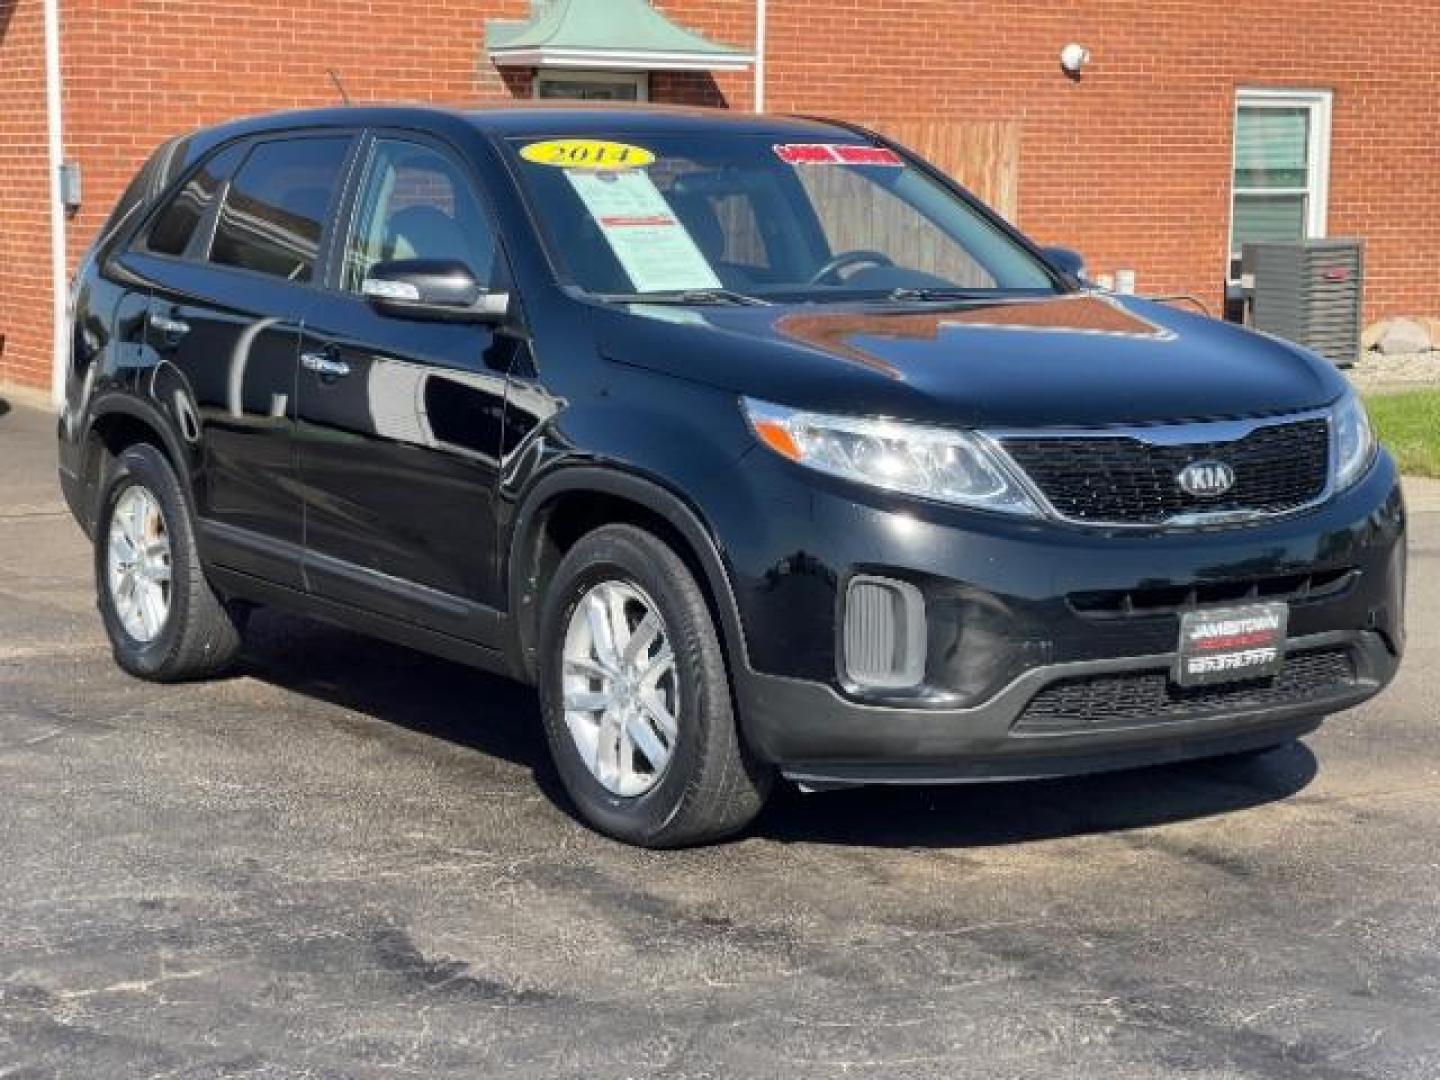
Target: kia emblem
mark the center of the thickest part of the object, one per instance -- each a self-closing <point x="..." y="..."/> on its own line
<point x="1206" y="479"/>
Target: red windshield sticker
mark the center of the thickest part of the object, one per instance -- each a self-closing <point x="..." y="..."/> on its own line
<point x="806" y="154"/>
<point x="868" y="155"/>
<point x="837" y="154"/>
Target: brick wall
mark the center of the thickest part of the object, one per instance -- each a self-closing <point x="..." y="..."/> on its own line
<point x="24" y="206"/>
<point x="1131" y="164"/>
<point x="139" y="71"/>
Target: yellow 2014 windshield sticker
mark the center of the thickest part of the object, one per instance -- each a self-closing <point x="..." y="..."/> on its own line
<point x="587" y="154"/>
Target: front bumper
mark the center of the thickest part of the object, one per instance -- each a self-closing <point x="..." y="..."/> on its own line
<point x="1020" y="682"/>
<point x="820" y="737"/>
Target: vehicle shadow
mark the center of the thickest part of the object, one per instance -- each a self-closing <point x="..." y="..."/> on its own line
<point x="4" y="406"/>
<point x="416" y="691"/>
<point x="985" y="815"/>
<point x="500" y="718"/>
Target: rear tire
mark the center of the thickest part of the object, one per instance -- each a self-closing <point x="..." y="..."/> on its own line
<point x="164" y="621"/>
<point x="653" y="760"/>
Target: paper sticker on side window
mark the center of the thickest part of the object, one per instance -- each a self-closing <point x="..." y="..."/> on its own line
<point x="838" y="154"/>
<point x="587" y="154"/>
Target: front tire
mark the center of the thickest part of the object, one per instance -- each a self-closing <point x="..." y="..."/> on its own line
<point x="164" y="621"/>
<point x="636" y="699"/>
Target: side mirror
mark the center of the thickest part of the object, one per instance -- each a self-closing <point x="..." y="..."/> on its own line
<point x="1066" y="259"/>
<point x="438" y="289"/>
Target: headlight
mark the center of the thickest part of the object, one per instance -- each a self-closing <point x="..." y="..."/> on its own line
<point x="933" y="463"/>
<point x="1354" y="440"/>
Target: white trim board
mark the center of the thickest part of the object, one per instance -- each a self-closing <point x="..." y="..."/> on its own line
<point x="621" y="59"/>
<point x="54" y="159"/>
<point x="762" y="19"/>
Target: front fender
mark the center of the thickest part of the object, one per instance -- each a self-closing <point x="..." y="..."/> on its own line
<point x="525" y="588"/>
<point x="684" y="474"/>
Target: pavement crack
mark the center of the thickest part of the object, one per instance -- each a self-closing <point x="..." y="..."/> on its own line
<point x="138" y="986"/>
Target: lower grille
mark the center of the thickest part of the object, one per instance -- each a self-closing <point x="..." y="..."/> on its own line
<point x="1124" y="479"/>
<point x="1096" y="702"/>
<point x="884" y="633"/>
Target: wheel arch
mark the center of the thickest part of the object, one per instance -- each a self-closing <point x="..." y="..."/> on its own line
<point x="574" y="500"/>
<point x="116" y="422"/>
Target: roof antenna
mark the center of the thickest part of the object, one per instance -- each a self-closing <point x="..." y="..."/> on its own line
<point x="340" y="86"/>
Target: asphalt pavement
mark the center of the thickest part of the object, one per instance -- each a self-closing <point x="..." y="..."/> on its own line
<point x="351" y="860"/>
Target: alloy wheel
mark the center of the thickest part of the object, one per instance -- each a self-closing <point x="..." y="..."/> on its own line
<point x="621" y="688"/>
<point x="138" y="564"/>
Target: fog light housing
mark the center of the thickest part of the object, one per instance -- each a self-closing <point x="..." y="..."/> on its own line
<point x="884" y="634"/>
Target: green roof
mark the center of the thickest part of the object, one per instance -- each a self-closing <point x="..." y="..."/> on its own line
<point x="605" y="33"/>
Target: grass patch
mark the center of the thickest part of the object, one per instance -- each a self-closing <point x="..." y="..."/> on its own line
<point x="1409" y="424"/>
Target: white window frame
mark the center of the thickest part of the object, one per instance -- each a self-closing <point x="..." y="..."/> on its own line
<point x="641" y="79"/>
<point x="1321" y="105"/>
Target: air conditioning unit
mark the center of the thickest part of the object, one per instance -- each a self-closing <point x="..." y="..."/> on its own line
<point x="1310" y="292"/>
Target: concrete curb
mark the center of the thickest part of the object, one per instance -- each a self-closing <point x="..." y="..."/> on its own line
<point x="28" y="396"/>
<point x="1422" y="495"/>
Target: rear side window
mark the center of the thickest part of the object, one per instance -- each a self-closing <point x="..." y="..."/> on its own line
<point x="145" y="185"/>
<point x="274" y="212"/>
<point x="175" y="225"/>
<point x="133" y="199"/>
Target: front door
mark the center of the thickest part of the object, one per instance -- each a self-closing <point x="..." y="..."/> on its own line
<point x="399" y="418"/>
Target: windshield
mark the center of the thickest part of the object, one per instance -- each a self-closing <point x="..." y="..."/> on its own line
<point x="721" y="214"/>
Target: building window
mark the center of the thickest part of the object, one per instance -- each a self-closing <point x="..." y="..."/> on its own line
<point x="1282" y="165"/>
<point x="593" y="85"/>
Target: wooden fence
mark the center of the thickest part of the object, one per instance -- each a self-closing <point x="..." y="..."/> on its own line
<point x="858" y="215"/>
<point x="984" y="155"/>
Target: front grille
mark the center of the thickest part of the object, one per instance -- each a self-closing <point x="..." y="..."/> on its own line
<point x="1096" y="702"/>
<point x="1123" y="479"/>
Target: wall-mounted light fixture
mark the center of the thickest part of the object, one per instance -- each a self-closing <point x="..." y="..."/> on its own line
<point x="1073" y="58"/>
<point x="70" y="191"/>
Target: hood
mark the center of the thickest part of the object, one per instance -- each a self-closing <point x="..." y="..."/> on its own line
<point x="1080" y="359"/>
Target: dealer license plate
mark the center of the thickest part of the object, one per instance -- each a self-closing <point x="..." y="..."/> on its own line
<point x="1236" y="644"/>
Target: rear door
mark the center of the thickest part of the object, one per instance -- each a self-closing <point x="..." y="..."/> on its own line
<point x="399" y="419"/>
<point x="232" y="262"/>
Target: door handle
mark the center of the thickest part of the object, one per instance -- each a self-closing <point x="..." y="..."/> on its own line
<point x="166" y="325"/>
<point x="324" y="365"/>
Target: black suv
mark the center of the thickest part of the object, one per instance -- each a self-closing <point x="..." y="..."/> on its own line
<point x="757" y="444"/>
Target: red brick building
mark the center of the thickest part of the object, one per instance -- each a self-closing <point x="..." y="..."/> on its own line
<point x="1188" y="119"/>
